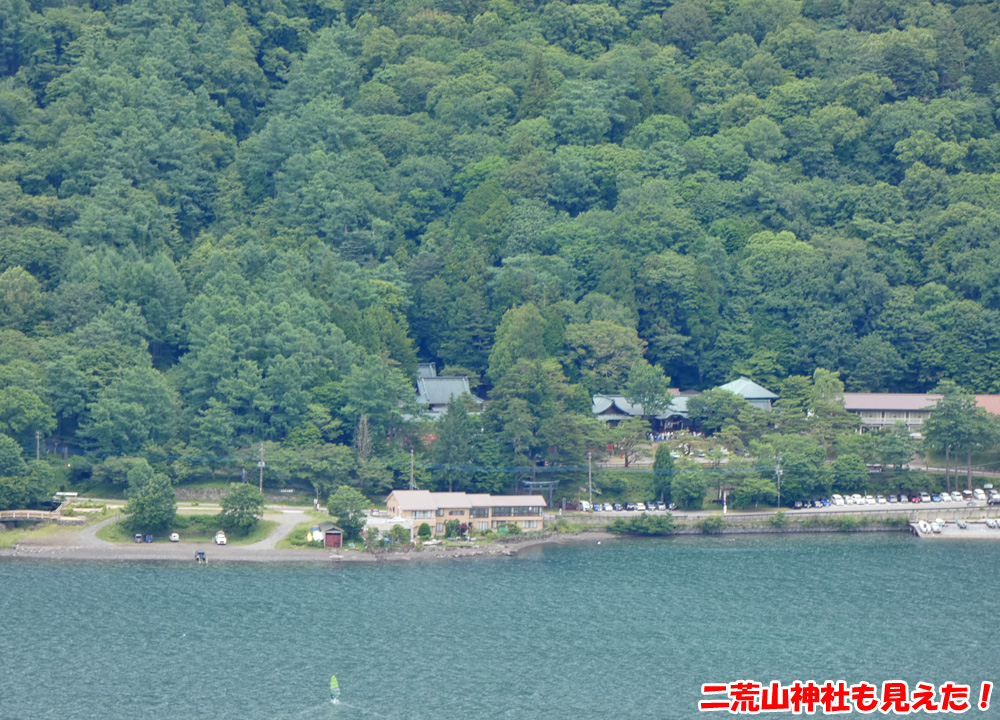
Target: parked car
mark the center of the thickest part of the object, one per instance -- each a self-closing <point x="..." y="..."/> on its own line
<point x="630" y="507"/>
<point x="174" y="537"/>
<point x="991" y="523"/>
<point x="220" y="538"/>
<point x="891" y="499"/>
<point x="925" y="497"/>
<point x="640" y="507"/>
<point x="916" y="499"/>
<point x="935" y="527"/>
<point x="825" y="502"/>
<point x="837" y="499"/>
<point x="956" y="496"/>
<point x="979" y="494"/>
<point x="961" y="523"/>
<point x="608" y="507"/>
<point x="660" y="505"/>
<point x="880" y="499"/>
<point x="869" y="500"/>
<point x="858" y="500"/>
<point x="149" y="538"/>
<point x="797" y="505"/>
<point x="618" y="507"/>
<point x="903" y="498"/>
<point x="137" y="537"/>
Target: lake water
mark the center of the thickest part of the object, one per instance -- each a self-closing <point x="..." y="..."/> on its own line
<point x="626" y="629"/>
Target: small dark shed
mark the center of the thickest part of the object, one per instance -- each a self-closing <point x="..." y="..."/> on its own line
<point x="333" y="536"/>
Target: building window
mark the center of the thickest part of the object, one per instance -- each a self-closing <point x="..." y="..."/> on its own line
<point x="423" y="514"/>
<point x="482" y="525"/>
<point x="440" y="512"/>
<point x="535" y="510"/>
<point x="503" y="512"/>
<point x="480" y="512"/>
<point x="439" y="528"/>
<point x="529" y="524"/>
<point x="456" y="512"/>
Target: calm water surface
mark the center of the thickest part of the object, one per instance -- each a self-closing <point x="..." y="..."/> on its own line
<point x="628" y="629"/>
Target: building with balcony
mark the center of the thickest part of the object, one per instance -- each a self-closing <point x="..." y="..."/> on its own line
<point x="479" y="511"/>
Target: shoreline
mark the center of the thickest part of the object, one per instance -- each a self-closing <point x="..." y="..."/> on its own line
<point x="84" y="546"/>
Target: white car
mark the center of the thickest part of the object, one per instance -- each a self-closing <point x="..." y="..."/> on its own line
<point x="880" y="499"/>
<point x="925" y="497"/>
<point x="220" y="538"/>
<point x="837" y="499"/>
<point x="174" y="537"/>
<point x="640" y="507"/>
<point x="956" y="496"/>
<point x="869" y="500"/>
<point x="858" y="500"/>
<point x="979" y="494"/>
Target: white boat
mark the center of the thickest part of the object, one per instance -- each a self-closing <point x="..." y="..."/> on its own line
<point x="935" y="528"/>
<point x="924" y="526"/>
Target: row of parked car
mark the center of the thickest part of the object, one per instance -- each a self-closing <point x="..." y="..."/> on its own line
<point x="633" y="507"/>
<point x="965" y="496"/>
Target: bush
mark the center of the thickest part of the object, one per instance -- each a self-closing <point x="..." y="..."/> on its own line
<point x="513" y="529"/>
<point x="644" y="525"/>
<point x="399" y="535"/>
<point x="424" y="531"/>
<point x="779" y="519"/>
<point x="849" y="523"/>
<point x="711" y="525"/>
<point x="451" y="528"/>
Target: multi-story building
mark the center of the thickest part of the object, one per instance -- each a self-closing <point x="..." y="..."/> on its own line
<point x="881" y="410"/>
<point x="479" y="511"/>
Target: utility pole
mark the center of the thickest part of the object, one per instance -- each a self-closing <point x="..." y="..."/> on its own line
<point x="590" y="480"/>
<point x="260" y="465"/>
<point x="38" y="445"/>
<point x="777" y="472"/>
<point x="413" y="485"/>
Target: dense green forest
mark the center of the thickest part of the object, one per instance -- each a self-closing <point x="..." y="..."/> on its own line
<point x="227" y="223"/>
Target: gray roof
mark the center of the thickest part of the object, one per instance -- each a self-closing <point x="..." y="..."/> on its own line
<point x="678" y="406"/>
<point x="427" y="370"/>
<point x="747" y="388"/>
<point x="615" y="406"/>
<point x="440" y="390"/>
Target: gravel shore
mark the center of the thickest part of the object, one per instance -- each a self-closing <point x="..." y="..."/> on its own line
<point x="71" y="544"/>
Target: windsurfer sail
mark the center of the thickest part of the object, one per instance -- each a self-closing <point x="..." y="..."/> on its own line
<point x="334" y="689"/>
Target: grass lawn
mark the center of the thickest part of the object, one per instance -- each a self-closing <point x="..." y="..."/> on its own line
<point x="10" y="538"/>
<point x="117" y="533"/>
<point x="296" y="538"/>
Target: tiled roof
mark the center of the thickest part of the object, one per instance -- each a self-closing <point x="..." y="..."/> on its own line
<point x="990" y="403"/>
<point x="890" y="401"/>
<point x="440" y="390"/>
<point x="607" y="403"/>
<point x="748" y="389"/>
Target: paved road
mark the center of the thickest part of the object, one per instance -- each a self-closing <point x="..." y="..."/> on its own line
<point x="84" y="544"/>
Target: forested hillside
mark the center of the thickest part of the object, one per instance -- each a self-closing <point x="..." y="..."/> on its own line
<point x="227" y="223"/>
